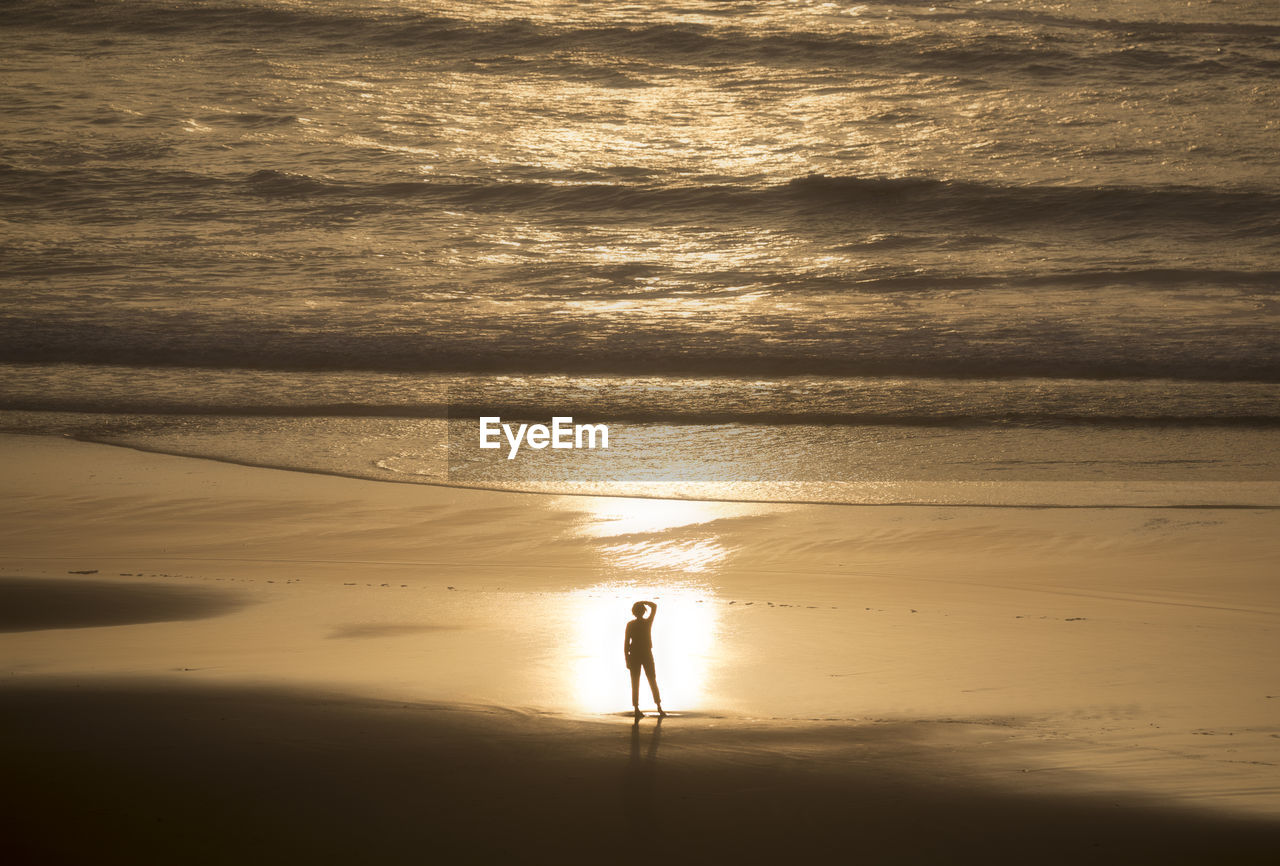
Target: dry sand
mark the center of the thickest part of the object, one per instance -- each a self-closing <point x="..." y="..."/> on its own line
<point x="275" y="667"/>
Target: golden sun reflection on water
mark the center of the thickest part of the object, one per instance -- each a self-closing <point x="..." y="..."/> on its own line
<point x="685" y="640"/>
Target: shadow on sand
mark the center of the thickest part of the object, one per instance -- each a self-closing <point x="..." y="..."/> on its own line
<point x="32" y="604"/>
<point x="160" y="772"/>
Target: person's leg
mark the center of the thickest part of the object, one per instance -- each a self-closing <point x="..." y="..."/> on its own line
<point x="634" y="670"/>
<point x="652" y="674"/>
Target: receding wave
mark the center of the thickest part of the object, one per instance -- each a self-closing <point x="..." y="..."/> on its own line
<point x="1020" y="204"/>
<point x="927" y="198"/>
<point x="1132" y="28"/>
<point x="486" y="42"/>
<point x="920" y="200"/>
<point x="1085" y="279"/>
<point x="1247" y="354"/>
<point x="665" y="414"/>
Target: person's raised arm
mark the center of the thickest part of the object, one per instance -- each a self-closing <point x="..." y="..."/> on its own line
<point x="653" y="609"/>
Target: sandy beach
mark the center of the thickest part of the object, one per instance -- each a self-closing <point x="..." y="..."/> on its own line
<point x="206" y="662"/>
<point x="364" y="365"/>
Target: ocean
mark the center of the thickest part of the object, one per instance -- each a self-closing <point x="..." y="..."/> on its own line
<point x="996" y="253"/>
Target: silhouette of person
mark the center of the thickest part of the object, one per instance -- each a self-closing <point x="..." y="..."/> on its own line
<point x="637" y="647"/>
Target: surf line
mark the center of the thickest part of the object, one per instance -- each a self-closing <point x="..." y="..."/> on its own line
<point x="562" y="433"/>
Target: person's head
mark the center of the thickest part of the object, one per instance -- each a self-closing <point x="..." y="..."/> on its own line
<point x="637" y="609"/>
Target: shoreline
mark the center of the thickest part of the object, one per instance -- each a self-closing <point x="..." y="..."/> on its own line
<point x="727" y="500"/>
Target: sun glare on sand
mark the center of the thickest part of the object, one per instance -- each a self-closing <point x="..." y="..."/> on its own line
<point x="612" y="517"/>
<point x="659" y="535"/>
<point x="684" y="645"/>
<point x="654" y="548"/>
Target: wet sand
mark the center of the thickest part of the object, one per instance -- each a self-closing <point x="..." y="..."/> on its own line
<point x="264" y="666"/>
<point x="155" y="772"/>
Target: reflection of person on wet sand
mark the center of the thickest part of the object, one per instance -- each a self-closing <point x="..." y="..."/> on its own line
<point x="638" y="785"/>
<point x="638" y="649"/>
